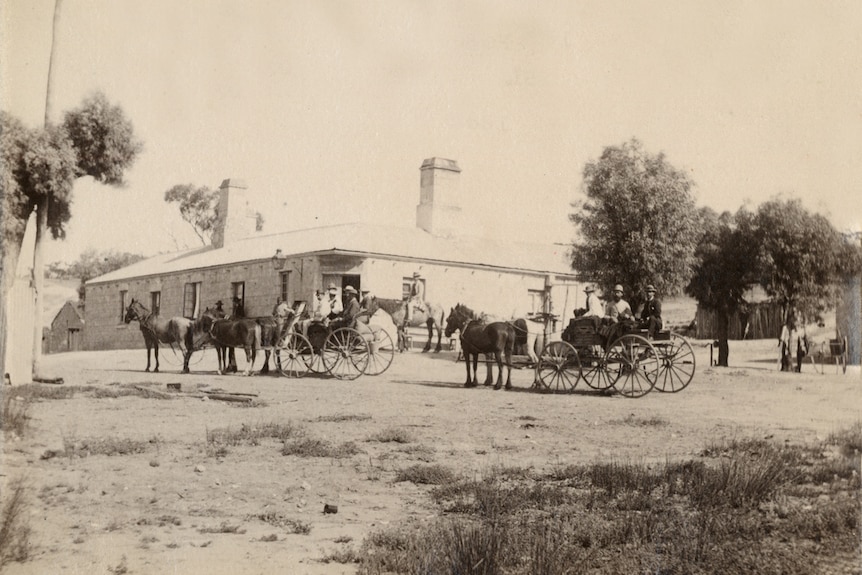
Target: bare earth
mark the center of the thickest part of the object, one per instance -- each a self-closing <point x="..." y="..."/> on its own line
<point x="165" y="510"/>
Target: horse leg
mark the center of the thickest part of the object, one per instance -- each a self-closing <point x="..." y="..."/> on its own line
<point x="439" y="325"/>
<point x="510" y="348"/>
<point x="221" y="354"/>
<point x="489" y="372"/>
<point x="250" y="353"/>
<point x="469" y="382"/>
<point x="429" y="323"/>
<point x="498" y="359"/>
<point x="156" y="353"/>
<point x="149" y="347"/>
<point x="265" y="368"/>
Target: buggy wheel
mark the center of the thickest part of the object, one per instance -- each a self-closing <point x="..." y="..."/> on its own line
<point x="635" y="364"/>
<point x="594" y="368"/>
<point x="294" y="355"/>
<point x="381" y="352"/>
<point x="559" y="367"/>
<point x="676" y="359"/>
<point x="345" y="354"/>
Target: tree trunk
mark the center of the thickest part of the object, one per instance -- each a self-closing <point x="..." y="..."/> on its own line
<point x="8" y="266"/>
<point x="723" y="334"/>
<point x="42" y="216"/>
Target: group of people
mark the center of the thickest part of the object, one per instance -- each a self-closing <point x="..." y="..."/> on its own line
<point x="618" y="310"/>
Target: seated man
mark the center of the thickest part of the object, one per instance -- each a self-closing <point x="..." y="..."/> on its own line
<point x="618" y="309"/>
<point x="650" y="312"/>
<point x="368" y="305"/>
<point x="416" y="302"/>
<point x="351" y="310"/>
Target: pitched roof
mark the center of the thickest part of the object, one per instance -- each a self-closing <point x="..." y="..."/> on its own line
<point x="357" y="238"/>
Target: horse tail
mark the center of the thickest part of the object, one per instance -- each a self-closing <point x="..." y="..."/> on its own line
<point x="521" y="331"/>
<point x="258" y="337"/>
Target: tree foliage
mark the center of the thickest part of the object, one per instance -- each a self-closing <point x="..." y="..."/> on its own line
<point x="16" y="206"/>
<point x="638" y="225"/>
<point x="103" y="138"/>
<point x="90" y="264"/>
<point x="198" y="207"/>
<point x="804" y="257"/>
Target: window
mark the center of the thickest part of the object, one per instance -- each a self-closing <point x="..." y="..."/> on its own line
<point x="537" y="300"/>
<point x="155" y="301"/>
<point x="123" y="294"/>
<point x="284" y="278"/>
<point x="191" y="300"/>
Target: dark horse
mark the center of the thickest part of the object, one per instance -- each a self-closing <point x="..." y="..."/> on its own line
<point x="224" y="333"/>
<point x="271" y="330"/>
<point x="477" y="338"/>
<point x="177" y="330"/>
<point x="432" y="318"/>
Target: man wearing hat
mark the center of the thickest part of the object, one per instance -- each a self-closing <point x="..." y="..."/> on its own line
<point x="417" y="296"/>
<point x="618" y="309"/>
<point x="594" y="304"/>
<point x="351" y="309"/>
<point x="650" y="312"/>
<point x="335" y="305"/>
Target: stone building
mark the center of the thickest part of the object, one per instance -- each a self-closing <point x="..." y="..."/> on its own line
<point x="67" y="330"/>
<point x="505" y="279"/>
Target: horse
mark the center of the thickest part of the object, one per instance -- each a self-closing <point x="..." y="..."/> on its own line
<point x="530" y="333"/>
<point x="176" y="330"/>
<point x="224" y="333"/>
<point x="480" y="338"/>
<point x="432" y="318"/>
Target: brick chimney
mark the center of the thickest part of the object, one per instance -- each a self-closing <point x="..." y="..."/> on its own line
<point x="236" y="219"/>
<point x="439" y="209"/>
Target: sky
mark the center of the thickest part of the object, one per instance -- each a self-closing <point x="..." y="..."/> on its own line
<point x="327" y="108"/>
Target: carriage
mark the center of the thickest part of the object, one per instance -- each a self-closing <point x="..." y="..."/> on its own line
<point x="362" y="348"/>
<point x="626" y="360"/>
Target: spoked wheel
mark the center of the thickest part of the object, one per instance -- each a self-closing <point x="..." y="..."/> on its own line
<point x="635" y="363"/>
<point x="294" y="355"/>
<point x="345" y="354"/>
<point x="676" y="364"/>
<point x="559" y="367"/>
<point x="594" y="368"/>
<point x="381" y="351"/>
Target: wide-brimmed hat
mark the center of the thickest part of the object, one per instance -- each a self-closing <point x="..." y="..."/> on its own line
<point x="365" y="290"/>
<point x="331" y="286"/>
<point x="651" y="288"/>
<point x="219" y="302"/>
<point x="350" y="289"/>
<point x="417" y="275"/>
<point x="589" y="289"/>
<point x="618" y="288"/>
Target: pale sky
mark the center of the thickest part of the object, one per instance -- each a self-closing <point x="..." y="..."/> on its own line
<point x="327" y="108"/>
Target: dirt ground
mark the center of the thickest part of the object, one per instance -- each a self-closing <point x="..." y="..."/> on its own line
<point x="180" y="508"/>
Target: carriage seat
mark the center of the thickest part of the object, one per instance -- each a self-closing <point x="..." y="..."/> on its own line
<point x="582" y="331"/>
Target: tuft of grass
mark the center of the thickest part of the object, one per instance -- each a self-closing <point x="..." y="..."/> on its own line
<point x="224" y="527"/>
<point x="392" y="435"/>
<point x="338" y="418"/>
<point x="651" y="421"/>
<point x="110" y="446"/>
<point x="432" y="474"/>
<point x="15" y="417"/>
<point x="848" y="441"/>
<point x="282" y="522"/>
<point x="344" y="556"/>
<point x="14" y="523"/>
<point x="311" y="447"/>
<point x="221" y="438"/>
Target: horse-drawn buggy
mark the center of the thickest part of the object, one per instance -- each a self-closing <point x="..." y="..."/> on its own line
<point x="342" y="351"/>
<point x="618" y="357"/>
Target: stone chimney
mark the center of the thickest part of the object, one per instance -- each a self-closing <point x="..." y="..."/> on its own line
<point x="439" y="209"/>
<point x="235" y="220"/>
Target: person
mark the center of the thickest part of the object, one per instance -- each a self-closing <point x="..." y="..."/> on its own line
<point x="335" y="305"/>
<point x="618" y="309"/>
<point x="219" y="307"/>
<point x="650" y="312"/>
<point x="278" y="302"/>
<point x="320" y="306"/>
<point x="416" y="302"/>
<point x="594" y="304"/>
<point x="792" y="341"/>
<point x="350" y="311"/>
<point x="238" y="310"/>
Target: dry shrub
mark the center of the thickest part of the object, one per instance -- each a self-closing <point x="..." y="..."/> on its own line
<point x="392" y="435"/>
<point x="311" y="447"/>
<point x="224" y="527"/>
<point x="276" y="519"/>
<point x="14" y="524"/>
<point x="110" y="446"/>
<point x="254" y="433"/>
<point x="433" y="474"/>
<point x="338" y="418"/>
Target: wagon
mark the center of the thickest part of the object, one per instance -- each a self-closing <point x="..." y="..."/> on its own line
<point x="629" y="362"/>
<point x="345" y="352"/>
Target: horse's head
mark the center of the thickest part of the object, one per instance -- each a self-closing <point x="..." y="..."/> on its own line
<point x="132" y="312"/>
<point x="457" y="319"/>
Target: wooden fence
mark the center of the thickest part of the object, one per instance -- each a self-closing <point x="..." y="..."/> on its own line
<point x="763" y="321"/>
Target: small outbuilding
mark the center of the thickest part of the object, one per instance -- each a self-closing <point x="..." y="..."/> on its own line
<point x="67" y="330"/>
